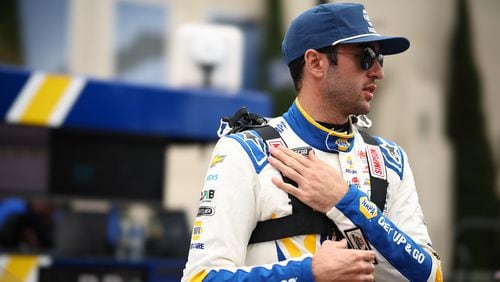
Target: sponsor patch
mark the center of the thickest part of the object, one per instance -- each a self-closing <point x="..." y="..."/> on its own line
<point x="355" y="181"/>
<point x="212" y="177"/>
<point x="197" y="230"/>
<point x="198" y="246"/>
<point x="367" y="208"/>
<point x="376" y="161"/>
<point x="217" y="159"/>
<point x="207" y="195"/>
<point x="304" y="151"/>
<point x="357" y="239"/>
<point x="280" y="127"/>
<point x="342" y="144"/>
<point x="205" y="211"/>
<point x="276" y="142"/>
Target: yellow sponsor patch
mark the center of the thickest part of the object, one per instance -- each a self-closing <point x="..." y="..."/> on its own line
<point x="367" y="208"/>
<point x="197" y="230"/>
<point x="217" y="159"/>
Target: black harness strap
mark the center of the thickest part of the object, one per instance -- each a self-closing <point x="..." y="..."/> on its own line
<point x="379" y="186"/>
<point x="291" y="225"/>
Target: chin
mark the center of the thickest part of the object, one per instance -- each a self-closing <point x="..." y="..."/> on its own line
<point x="364" y="110"/>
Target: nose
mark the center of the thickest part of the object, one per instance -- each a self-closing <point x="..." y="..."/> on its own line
<point x="376" y="71"/>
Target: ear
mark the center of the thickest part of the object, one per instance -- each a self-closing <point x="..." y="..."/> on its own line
<point x="315" y="63"/>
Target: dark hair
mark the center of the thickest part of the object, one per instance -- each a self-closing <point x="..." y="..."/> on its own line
<point x="297" y="66"/>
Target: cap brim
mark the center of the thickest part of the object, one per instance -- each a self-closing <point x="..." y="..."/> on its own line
<point x="389" y="45"/>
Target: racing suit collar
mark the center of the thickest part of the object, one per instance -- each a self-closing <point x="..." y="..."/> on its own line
<point x="317" y="135"/>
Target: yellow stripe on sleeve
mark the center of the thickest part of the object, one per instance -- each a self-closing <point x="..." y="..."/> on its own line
<point x="439" y="274"/>
<point x="198" y="277"/>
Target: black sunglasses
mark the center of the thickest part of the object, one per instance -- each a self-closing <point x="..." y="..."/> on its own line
<point x="368" y="57"/>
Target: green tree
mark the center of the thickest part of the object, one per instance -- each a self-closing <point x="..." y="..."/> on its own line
<point x="9" y="33"/>
<point x="282" y="95"/>
<point x="473" y="167"/>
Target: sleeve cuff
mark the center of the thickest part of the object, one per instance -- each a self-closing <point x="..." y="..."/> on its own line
<point x="335" y="212"/>
<point x="307" y="270"/>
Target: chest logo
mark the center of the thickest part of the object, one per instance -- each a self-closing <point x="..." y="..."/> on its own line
<point x="342" y="144"/>
<point x="376" y="161"/>
<point x="217" y="159"/>
<point x="367" y="208"/>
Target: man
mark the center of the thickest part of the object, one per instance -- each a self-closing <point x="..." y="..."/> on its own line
<point x="252" y="224"/>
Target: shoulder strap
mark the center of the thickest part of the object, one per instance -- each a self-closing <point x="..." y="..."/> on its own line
<point x="291" y="225"/>
<point x="303" y="219"/>
<point x="379" y="186"/>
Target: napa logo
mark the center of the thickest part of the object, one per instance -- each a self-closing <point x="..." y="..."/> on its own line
<point x="342" y="144"/>
<point x="367" y="208"/>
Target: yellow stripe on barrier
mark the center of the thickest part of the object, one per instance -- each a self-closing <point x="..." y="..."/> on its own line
<point x="45" y="99"/>
<point x="18" y="268"/>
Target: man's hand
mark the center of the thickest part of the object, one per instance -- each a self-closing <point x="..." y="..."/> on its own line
<point x="320" y="186"/>
<point x="333" y="262"/>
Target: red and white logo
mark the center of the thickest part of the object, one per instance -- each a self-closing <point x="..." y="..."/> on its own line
<point x="376" y="161"/>
<point x="275" y="142"/>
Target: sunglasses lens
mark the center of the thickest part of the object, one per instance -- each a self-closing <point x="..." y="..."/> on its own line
<point x="380" y="59"/>
<point x="368" y="58"/>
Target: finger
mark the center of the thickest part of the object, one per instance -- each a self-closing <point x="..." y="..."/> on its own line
<point x="368" y="256"/>
<point x="287" y="171"/>
<point x="295" y="159"/>
<point x="288" y="188"/>
<point x="369" y="268"/>
<point x="342" y="244"/>
<point x="277" y="163"/>
<point x="367" y="278"/>
<point x="312" y="156"/>
<point x="281" y="156"/>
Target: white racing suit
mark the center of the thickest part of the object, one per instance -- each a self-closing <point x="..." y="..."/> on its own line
<point x="238" y="193"/>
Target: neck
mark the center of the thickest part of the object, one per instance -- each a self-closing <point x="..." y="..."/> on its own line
<point x="322" y="112"/>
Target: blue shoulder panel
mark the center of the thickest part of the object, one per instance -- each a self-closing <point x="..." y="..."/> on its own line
<point x="393" y="155"/>
<point x="255" y="147"/>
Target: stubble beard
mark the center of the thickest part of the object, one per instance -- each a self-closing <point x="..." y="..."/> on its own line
<point x="343" y="97"/>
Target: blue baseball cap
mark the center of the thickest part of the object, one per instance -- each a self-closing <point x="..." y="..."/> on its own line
<point x="335" y="23"/>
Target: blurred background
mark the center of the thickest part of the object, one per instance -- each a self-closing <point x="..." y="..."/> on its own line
<point x="110" y="110"/>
